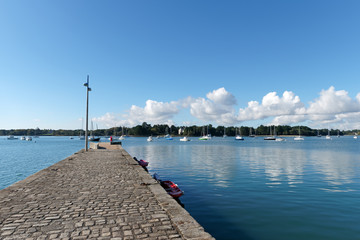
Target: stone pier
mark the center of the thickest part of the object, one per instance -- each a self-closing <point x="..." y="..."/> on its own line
<point x="99" y="194"/>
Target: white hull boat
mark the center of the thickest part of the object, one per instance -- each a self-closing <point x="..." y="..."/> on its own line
<point x="299" y="138"/>
<point x="184" y="139"/>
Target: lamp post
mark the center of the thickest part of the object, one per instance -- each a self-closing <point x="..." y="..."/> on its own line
<point x="87" y="112"/>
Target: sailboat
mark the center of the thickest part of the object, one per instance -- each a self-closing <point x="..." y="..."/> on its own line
<point x="205" y="136"/>
<point x="11" y="137"/>
<point x="208" y="135"/>
<point x="318" y="134"/>
<point x="238" y="136"/>
<point x="251" y="135"/>
<point x="224" y="133"/>
<point x="92" y="137"/>
<point x="184" y="139"/>
<point x="168" y="136"/>
<point x="328" y="136"/>
<point x="81" y="137"/>
<point x="278" y="139"/>
<point x="270" y="137"/>
<point x="355" y="136"/>
<point x="122" y="137"/>
<point x="149" y="139"/>
<point x="299" y="138"/>
<point x="35" y="134"/>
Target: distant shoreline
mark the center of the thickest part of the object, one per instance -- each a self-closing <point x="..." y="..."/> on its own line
<point x="145" y="130"/>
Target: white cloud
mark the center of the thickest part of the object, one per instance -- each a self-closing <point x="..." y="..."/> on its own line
<point x="334" y="102"/>
<point x="334" y="109"/>
<point x="219" y="107"/>
<point x="288" y="119"/>
<point x="154" y="112"/>
<point x="221" y="96"/>
<point x="330" y="108"/>
<point x="271" y="106"/>
<point x="109" y="120"/>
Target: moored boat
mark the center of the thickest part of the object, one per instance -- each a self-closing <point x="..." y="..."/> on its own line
<point x="251" y="134"/>
<point x="224" y="136"/>
<point x="94" y="139"/>
<point x="142" y="162"/>
<point x="122" y="137"/>
<point x="184" y="139"/>
<point x="318" y="133"/>
<point x="328" y="136"/>
<point x="205" y="136"/>
<point x="299" y="138"/>
<point x="11" y="137"/>
<point x="170" y="187"/>
<point x="238" y="137"/>
<point x="271" y="138"/>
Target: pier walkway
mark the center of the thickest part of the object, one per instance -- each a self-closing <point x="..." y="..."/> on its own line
<point x="99" y="194"/>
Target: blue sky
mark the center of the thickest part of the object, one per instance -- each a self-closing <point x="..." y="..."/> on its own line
<point x="180" y="62"/>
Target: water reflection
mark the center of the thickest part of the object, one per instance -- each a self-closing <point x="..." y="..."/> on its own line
<point x="337" y="169"/>
<point x="281" y="165"/>
<point x="215" y="163"/>
<point x="220" y="164"/>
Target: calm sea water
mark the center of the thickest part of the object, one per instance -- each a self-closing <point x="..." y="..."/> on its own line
<point x="251" y="190"/>
<point x="20" y="159"/>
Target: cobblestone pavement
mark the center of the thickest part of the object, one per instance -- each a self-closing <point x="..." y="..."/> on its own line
<point x="99" y="194"/>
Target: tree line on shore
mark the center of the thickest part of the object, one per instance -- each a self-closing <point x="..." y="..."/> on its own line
<point x="146" y="129"/>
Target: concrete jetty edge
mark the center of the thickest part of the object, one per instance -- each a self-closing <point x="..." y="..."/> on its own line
<point x="188" y="227"/>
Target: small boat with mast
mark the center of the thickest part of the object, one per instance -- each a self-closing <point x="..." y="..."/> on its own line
<point x="81" y="136"/>
<point x="270" y="137"/>
<point x="238" y="135"/>
<point x="251" y="134"/>
<point x="206" y="136"/>
<point x="328" y="136"/>
<point x="278" y="139"/>
<point x="184" y="139"/>
<point x="11" y="137"/>
<point x="122" y="137"/>
<point x="318" y="133"/>
<point x="224" y="136"/>
<point x="92" y="137"/>
<point x="299" y="138"/>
